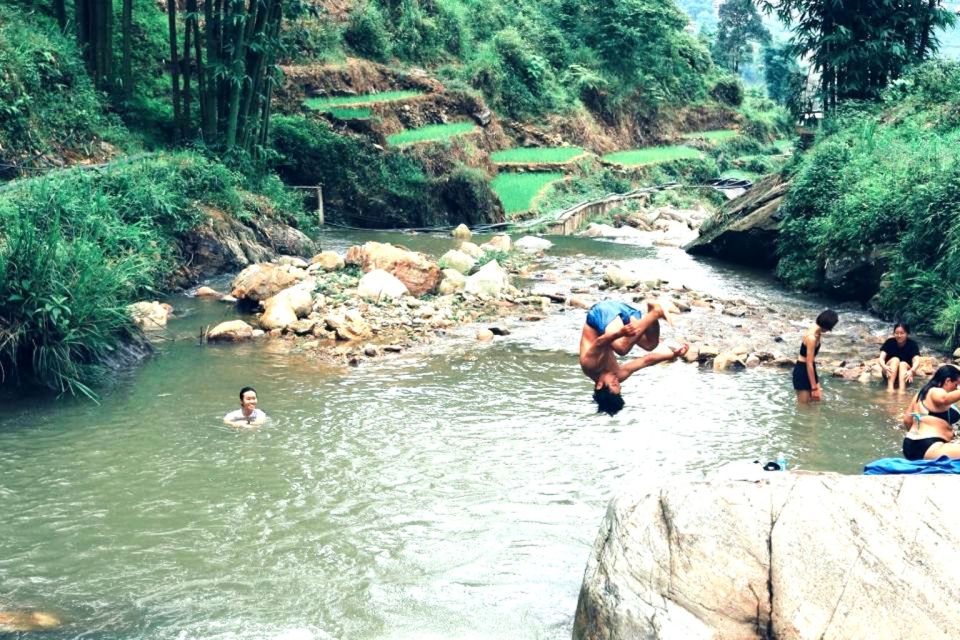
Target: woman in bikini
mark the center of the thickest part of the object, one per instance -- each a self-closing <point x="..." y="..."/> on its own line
<point x="931" y="416"/>
<point x="805" y="380"/>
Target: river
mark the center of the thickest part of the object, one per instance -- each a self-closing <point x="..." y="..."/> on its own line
<point x="452" y="491"/>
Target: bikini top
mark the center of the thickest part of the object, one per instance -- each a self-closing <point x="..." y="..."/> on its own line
<point x="803" y="349"/>
<point x="950" y="416"/>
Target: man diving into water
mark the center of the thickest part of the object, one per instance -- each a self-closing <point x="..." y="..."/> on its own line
<point x="613" y="328"/>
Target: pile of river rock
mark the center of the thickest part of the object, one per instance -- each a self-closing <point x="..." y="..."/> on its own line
<point x="377" y="298"/>
<point x="384" y="298"/>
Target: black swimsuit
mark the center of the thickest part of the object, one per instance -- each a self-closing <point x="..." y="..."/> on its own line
<point x="801" y="381"/>
<point x="916" y="449"/>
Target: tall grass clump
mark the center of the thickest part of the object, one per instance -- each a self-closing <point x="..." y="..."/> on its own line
<point x="78" y="246"/>
<point x="883" y="191"/>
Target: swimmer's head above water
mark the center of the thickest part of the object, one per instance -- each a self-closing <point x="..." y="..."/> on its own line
<point x="606" y="394"/>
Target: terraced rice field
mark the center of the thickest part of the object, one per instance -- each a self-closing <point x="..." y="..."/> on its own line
<point x="715" y="135"/>
<point x="739" y="174"/>
<point x="432" y="133"/>
<point x="518" y="191"/>
<point x="652" y="155"/>
<point x="350" y="113"/>
<point x="325" y="104"/>
<point x="531" y="155"/>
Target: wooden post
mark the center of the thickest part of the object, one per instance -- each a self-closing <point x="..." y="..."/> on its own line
<point x="320" y="220"/>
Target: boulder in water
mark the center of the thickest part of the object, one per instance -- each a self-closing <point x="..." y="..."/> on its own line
<point x="232" y="331"/>
<point x="532" y="244"/>
<point x="380" y="285"/>
<point x="457" y="260"/>
<point x="150" y="315"/>
<point x="258" y="282"/>
<point x="462" y="232"/>
<point x="417" y="271"/>
<point x="490" y="280"/>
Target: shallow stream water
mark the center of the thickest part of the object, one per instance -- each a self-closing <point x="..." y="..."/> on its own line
<point x="453" y="491"/>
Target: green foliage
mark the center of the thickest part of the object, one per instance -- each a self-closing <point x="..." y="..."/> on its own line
<point x="468" y="192"/>
<point x="739" y="24"/>
<point x="858" y="47"/>
<point x="764" y="120"/>
<point x="784" y="78"/>
<point x="728" y="90"/>
<point x="875" y="183"/>
<point x="361" y="184"/>
<point x="47" y="101"/>
<point x="79" y="246"/>
<point x="366" y="32"/>
<point x="531" y="58"/>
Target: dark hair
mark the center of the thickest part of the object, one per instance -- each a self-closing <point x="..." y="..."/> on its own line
<point x="244" y="390"/>
<point x="827" y="319"/>
<point x="607" y="401"/>
<point x="944" y="373"/>
<point x="902" y="325"/>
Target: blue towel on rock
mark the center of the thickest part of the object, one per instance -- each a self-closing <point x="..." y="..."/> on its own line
<point x="885" y="466"/>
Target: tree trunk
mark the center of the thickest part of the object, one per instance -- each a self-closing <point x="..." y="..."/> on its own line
<point x="60" y="10"/>
<point x="126" y="72"/>
<point x="238" y="73"/>
<point x="174" y="69"/>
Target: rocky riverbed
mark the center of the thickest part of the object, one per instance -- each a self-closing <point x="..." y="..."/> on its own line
<point x="378" y="299"/>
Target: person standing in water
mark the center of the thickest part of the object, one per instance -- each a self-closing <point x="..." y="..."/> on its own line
<point x="899" y="357"/>
<point x="805" y="380"/>
<point x="247" y="415"/>
<point x="614" y="328"/>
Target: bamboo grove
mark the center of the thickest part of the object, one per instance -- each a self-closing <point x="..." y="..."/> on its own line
<point x="222" y="63"/>
<point x="859" y="46"/>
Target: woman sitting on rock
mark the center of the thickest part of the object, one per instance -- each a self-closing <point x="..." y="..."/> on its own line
<point x="805" y="380"/>
<point x="899" y="357"/>
<point x="931" y="417"/>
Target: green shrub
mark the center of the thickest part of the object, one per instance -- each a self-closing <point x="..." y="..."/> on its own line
<point x="366" y="33"/>
<point x="728" y="90"/>
<point x="875" y="183"/>
<point x="467" y="196"/>
<point x="78" y="246"/>
<point x="47" y="102"/>
<point x="362" y="185"/>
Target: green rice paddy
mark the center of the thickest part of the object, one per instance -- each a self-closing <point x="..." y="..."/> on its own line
<point x="518" y="191"/>
<point x="784" y="146"/>
<point x="350" y="113"/>
<point x="739" y="174"/>
<point x="712" y="136"/>
<point x="324" y="104"/>
<point x="431" y="133"/>
<point x="652" y="155"/>
<point x="529" y="155"/>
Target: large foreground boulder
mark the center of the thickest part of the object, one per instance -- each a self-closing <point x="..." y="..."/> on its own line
<point x="786" y="556"/>
<point x="417" y="271"/>
<point x="745" y="231"/>
<point x="490" y="280"/>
